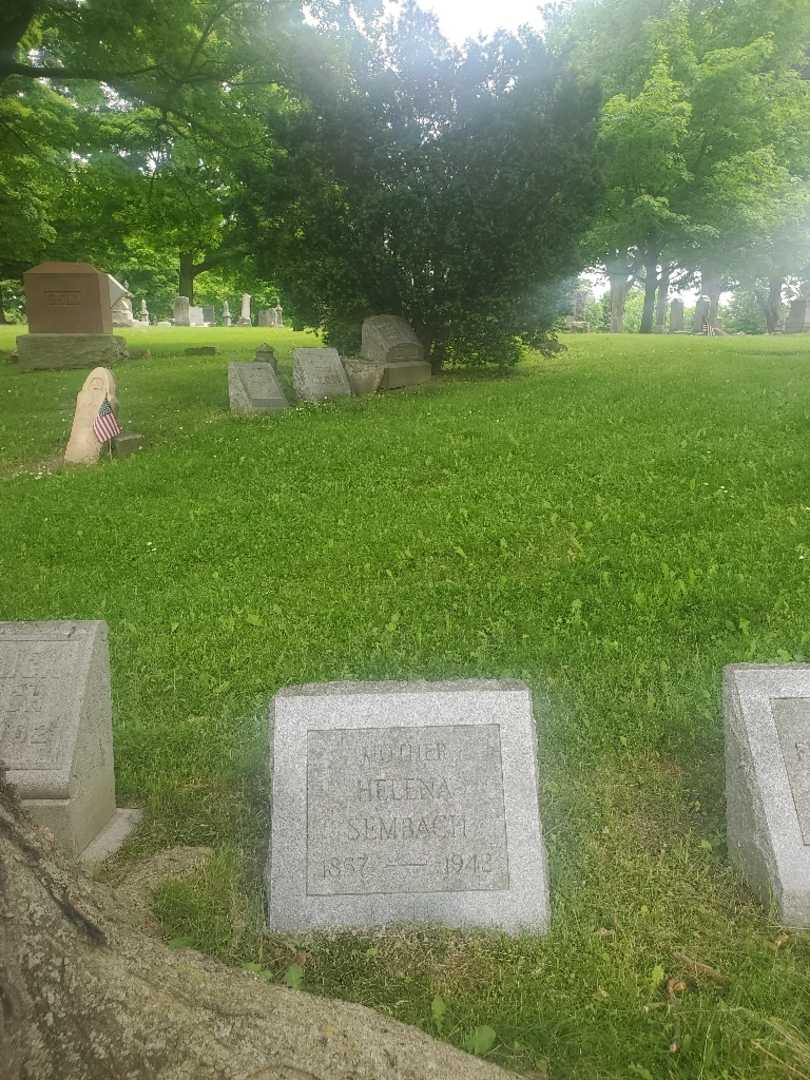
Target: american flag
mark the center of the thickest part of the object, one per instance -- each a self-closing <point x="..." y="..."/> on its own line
<point x="105" y="424"/>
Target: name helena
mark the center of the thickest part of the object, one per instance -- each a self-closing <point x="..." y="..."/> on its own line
<point x="403" y="789"/>
<point x="440" y="827"/>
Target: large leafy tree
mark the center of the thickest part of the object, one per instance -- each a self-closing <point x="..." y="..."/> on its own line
<point x="447" y="186"/>
<point x="705" y="129"/>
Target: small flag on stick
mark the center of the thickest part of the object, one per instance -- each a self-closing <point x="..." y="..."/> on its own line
<point x="105" y="424"/>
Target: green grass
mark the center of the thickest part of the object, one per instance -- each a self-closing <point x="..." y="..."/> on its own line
<point x="613" y="526"/>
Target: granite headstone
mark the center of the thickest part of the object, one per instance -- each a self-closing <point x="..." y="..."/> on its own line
<point x="255" y="388"/>
<point x="318" y="375"/>
<point x="767" y="723"/>
<point x="406" y="802"/>
<point x="391" y="341"/>
<point x="676" y="317"/>
<point x="56" y="732"/>
<point x="181" y="311"/>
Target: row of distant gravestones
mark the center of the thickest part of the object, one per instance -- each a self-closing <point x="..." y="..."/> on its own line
<point x="396" y="802"/>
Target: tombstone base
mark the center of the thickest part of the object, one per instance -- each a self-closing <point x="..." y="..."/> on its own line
<point x="405" y="373"/>
<point x="244" y="322"/>
<point x="51" y="351"/>
<point x="112" y="837"/>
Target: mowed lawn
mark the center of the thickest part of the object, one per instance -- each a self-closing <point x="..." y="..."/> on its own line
<point x="613" y="526"/>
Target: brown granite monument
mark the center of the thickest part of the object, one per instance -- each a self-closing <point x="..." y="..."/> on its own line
<point x="69" y="318"/>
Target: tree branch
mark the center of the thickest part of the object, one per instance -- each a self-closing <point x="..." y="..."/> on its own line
<point x="28" y="71"/>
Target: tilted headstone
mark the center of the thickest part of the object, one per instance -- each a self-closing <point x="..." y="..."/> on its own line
<point x="389" y="340"/>
<point x="84" y="447"/>
<point x="56" y="732"/>
<point x="318" y="374"/>
<point x="244" y="316"/>
<point x="406" y="802"/>
<point x="798" y="320"/>
<point x="255" y="388"/>
<point x="365" y="377"/>
<point x="120" y="304"/>
<point x="181" y="311"/>
<point x="69" y="318"/>
<point x="676" y="317"/>
<point x="767" y="722"/>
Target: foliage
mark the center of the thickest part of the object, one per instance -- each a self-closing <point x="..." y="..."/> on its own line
<point x="631" y="520"/>
<point x="449" y="187"/>
<point x="744" y="314"/>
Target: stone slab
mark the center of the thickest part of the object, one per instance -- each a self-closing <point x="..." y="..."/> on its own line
<point x="318" y="375"/>
<point x="255" y="388"/>
<point x="767" y="722"/>
<point x="53" y="351"/>
<point x="365" y="377"/>
<point x="56" y="725"/>
<point x="128" y="442"/>
<point x="387" y="339"/>
<point x="405" y="373"/>
<point x="112" y="837"/>
<point x="201" y="350"/>
<point x="406" y="802"/>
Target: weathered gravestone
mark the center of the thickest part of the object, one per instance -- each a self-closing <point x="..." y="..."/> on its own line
<point x="195" y="316"/>
<point x="84" y="446"/>
<point x="390" y="341"/>
<point x="701" y="317"/>
<point x="181" y="311"/>
<point x="676" y="317"/>
<point x="406" y="802"/>
<point x="69" y="318"/>
<point x="266" y="354"/>
<point x="209" y="315"/>
<point x="318" y="374"/>
<point x="255" y="388"/>
<point x="244" y="316"/>
<point x="767" y="719"/>
<point x="226" y="314"/>
<point x="266" y="317"/>
<point x="365" y="377"/>
<point x="56" y="732"/>
<point x="798" y="320"/>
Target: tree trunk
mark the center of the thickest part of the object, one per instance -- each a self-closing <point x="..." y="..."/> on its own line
<point x="650" y="288"/>
<point x="187" y="276"/>
<point x="712" y="286"/>
<point x="773" y="307"/>
<point x="85" y="996"/>
<point x="3" y="320"/>
<point x="436" y="348"/>
<point x="663" y="299"/>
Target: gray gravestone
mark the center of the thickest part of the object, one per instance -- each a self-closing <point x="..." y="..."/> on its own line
<point x="56" y="732"/>
<point x="798" y="320"/>
<point x="196" y="317"/>
<point x="266" y="354"/>
<point x="767" y="718"/>
<point x="406" y="802"/>
<point x="676" y="317"/>
<point x="390" y="341"/>
<point x="209" y="315"/>
<point x="254" y="388"/>
<point x="181" y="311"/>
<point x="319" y="375"/>
<point x="701" y="318"/>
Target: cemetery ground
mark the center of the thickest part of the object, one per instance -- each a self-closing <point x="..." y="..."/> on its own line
<point x="613" y="526"/>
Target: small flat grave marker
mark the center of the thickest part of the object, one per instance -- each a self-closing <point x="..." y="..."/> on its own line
<point x="767" y="717"/>
<point x="56" y="731"/>
<point x="417" y="802"/>
<point x="318" y="375"/>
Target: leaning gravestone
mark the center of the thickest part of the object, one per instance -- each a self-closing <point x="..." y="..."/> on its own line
<point x="390" y="341"/>
<point x="318" y="375"/>
<point x="767" y="719"/>
<point x="69" y="318"/>
<point x="56" y="732"/>
<point x="254" y="388"/>
<point x="406" y="802"/>
<point x="84" y="447"/>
